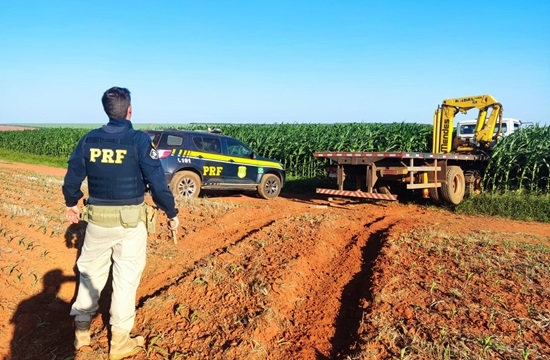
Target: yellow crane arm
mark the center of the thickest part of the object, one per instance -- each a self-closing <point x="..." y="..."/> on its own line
<point x="485" y="127"/>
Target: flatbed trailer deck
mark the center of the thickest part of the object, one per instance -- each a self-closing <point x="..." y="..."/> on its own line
<point x="385" y="175"/>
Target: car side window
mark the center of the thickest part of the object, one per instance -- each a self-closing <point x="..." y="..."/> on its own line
<point x="236" y="148"/>
<point x="197" y="141"/>
<point x="207" y="144"/>
<point x="213" y="145"/>
<point x="171" y="141"/>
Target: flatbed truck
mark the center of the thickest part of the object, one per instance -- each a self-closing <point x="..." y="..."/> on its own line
<point x="452" y="171"/>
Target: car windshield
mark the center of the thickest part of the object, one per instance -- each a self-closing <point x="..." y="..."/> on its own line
<point x="470" y="129"/>
<point x="467" y="129"/>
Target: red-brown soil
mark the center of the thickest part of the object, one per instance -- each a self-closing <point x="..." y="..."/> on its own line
<point x="292" y="278"/>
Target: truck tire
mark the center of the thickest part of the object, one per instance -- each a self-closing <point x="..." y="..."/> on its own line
<point x="435" y="195"/>
<point x="186" y="184"/>
<point x="270" y="186"/>
<point x="452" y="191"/>
<point x="473" y="180"/>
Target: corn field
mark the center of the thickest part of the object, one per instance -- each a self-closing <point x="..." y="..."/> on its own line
<point x="54" y="142"/>
<point x="519" y="161"/>
<point x="292" y="144"/>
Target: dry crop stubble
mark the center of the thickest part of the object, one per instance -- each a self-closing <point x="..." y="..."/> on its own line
<point x="476" y="308"/>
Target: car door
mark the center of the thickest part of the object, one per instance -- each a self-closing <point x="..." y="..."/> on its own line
<point x="210" y="159"/>
<point x="240" y="164"/>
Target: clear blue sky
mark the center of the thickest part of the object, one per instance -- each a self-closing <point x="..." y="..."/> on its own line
<point x="263" y="61"/>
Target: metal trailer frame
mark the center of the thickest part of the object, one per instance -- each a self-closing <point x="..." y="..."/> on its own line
<point x="419" y="170"/>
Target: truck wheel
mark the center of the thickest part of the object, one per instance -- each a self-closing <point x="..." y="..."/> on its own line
<point x="452" y="191"/>
<point x="185" y="183"/>
<point x="435" y="196"/>
<point x="473" y="180"/>
<point x="270" y="186"/>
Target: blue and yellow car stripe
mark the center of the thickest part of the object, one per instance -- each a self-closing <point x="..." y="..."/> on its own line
<point x="200" y="155"/>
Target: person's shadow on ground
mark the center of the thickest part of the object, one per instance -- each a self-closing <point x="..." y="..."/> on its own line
<point x="42" y="326"/>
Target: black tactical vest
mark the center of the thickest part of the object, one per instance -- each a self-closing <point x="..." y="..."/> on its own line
<point x="112" y="166"/>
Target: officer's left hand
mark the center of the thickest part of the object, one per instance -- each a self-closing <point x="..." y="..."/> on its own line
<point x="72" y="214"/>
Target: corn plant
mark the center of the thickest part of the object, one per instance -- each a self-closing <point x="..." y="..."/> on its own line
<point x="521" y="161"/>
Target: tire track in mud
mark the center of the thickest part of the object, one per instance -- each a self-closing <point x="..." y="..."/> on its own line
<point x="328" y="293"/>
<point x="183" y="273"/>
<point x="358" y="291"/>
<point x="239" y="232"/>
<point x="349" y="290"/>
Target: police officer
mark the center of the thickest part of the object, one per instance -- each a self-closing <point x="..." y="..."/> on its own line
<point x="120" y="163"/>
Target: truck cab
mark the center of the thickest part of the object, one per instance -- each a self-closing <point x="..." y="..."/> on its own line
<point x="465" y="129"/>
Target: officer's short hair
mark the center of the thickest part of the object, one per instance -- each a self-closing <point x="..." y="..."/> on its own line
<point x="116" y="102"/>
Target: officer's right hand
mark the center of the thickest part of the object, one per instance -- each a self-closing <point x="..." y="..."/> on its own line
<point x="72" y="213"/>
<point x="173" y="223"/>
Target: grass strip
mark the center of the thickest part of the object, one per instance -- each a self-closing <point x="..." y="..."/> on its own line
<point x="17" y="157"/>
<point x="517" y="205"/>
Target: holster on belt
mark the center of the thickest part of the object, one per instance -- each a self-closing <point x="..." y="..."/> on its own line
<point x="151" y="219"/>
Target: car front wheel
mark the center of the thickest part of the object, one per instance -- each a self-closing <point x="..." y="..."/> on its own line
<point x="270" y="186"/>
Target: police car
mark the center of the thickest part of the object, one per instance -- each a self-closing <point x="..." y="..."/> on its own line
<point x="208" y="160"/>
